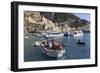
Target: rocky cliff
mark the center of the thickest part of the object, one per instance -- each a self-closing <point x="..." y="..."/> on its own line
<point x="40" y="21"/>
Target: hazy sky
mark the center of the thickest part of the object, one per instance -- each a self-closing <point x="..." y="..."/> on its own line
<point x="85" y="16"/>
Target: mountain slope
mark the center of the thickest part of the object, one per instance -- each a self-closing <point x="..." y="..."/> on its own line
<point x="56" y="19"/>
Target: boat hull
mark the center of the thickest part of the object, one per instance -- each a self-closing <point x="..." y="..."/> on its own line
<point x="55" y="35"/>
<point x="78" y="35"/>
<point x="37" y="34"/>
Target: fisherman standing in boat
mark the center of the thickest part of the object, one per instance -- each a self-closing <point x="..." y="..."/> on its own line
<point x="49" y="43"/>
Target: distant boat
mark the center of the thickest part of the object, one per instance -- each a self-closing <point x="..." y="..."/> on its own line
<point x="26" y="37"/>
<point x="58" y="52"/>
<point x="54" y="34"/>
<point x="76" y="33"/>
<point x="37" y="34"/>
<point x="67" y="34"/>
<point x="80" y="42"/>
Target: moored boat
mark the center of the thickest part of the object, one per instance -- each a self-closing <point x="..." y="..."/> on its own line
<point x="80" y="42"/>
<point x="26" y="37"/>
<point x="37" y="34"/>
<point x="76" y="33"/>
<point x="54" y="34"/>
<point x="67" y="34"/>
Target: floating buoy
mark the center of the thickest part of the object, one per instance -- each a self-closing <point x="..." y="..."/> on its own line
<point x="37" y="43"/>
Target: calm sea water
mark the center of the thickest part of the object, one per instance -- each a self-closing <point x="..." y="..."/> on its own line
<point x="72" y="50"/>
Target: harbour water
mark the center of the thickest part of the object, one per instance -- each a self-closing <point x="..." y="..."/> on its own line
<point x="72" y="49"/>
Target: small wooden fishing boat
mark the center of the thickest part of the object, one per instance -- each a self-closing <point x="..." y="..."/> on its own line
<point x="54" y="51"/>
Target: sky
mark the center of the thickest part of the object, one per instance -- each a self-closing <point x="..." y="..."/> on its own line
<point x="85" y="16"/>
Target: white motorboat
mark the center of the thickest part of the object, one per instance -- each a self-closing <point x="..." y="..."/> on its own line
<point x="53" y="53"/>
<point x="26" y="37"/>
<point x="54" y="34"/>
<point x="37" y="34"/>
<point x="76" y="33"/>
